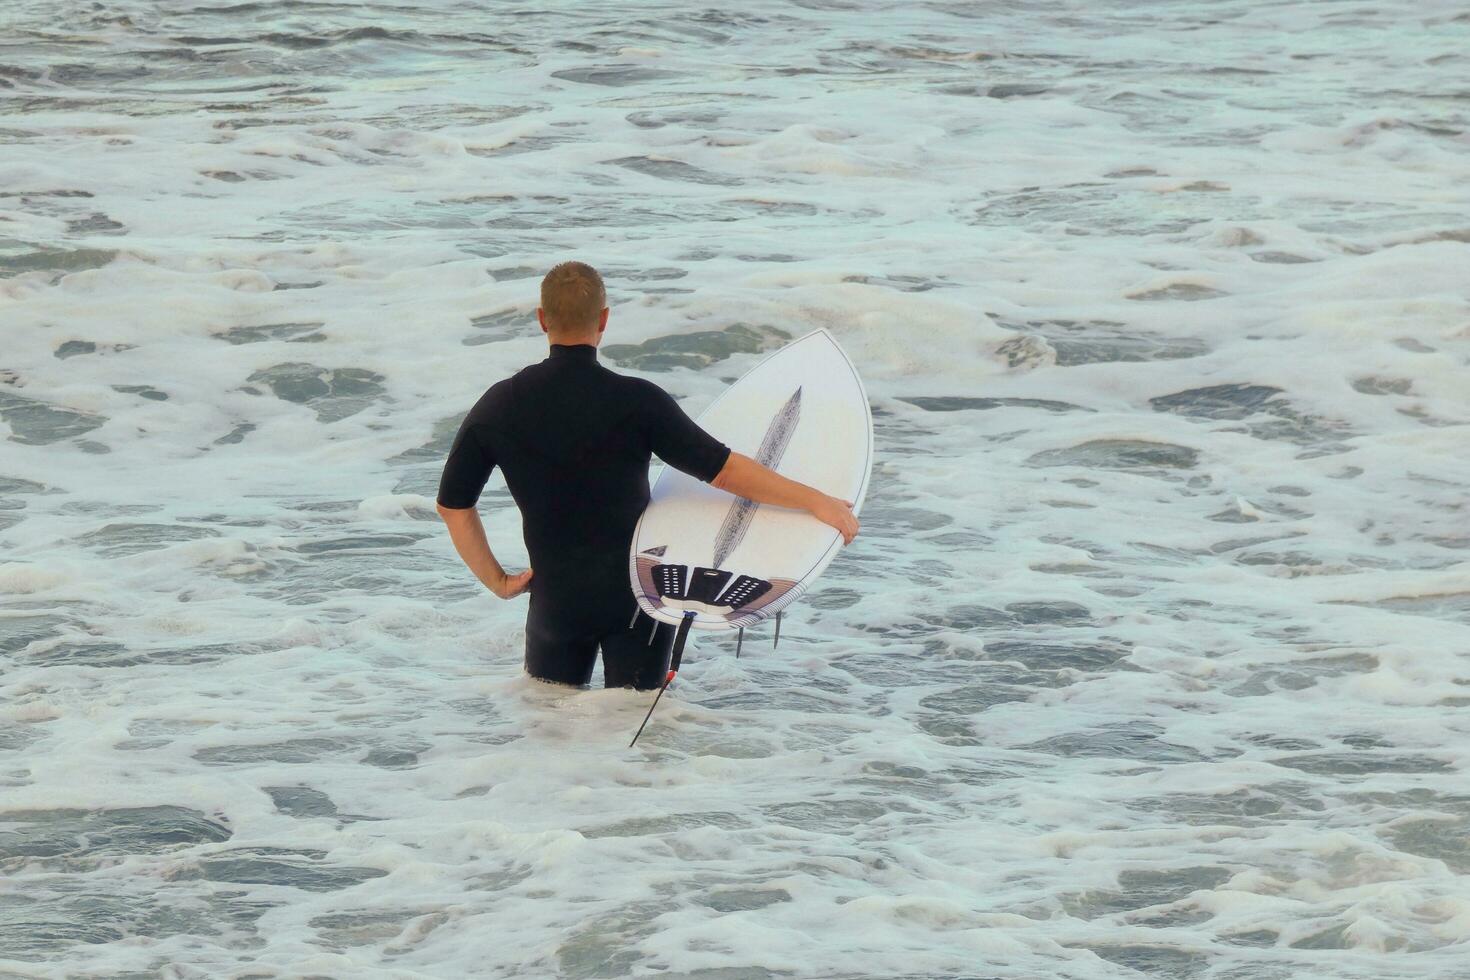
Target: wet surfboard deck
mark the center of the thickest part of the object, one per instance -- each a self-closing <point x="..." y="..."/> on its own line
<point x="732" y="562"/>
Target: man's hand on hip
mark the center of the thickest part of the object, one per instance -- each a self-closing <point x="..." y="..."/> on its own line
<point x="510" y="586"/>
<point x="468" y="535"/>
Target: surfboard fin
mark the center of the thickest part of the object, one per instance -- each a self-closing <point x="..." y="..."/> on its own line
<point x="739" y="639"/>
<point x="778" y="632"/>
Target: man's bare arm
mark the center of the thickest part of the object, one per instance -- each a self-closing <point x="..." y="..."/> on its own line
<point x="744" y="477"/>
<point x="468" y="535"/>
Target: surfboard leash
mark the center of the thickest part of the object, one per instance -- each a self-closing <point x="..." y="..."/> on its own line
<point x="677" y="658"/>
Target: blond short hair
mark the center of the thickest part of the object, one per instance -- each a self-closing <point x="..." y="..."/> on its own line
<point x="572" y="297"/>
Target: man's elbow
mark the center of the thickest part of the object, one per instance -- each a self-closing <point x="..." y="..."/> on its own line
<point x="726" y="476"/>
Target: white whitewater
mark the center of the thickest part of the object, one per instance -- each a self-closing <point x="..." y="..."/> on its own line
<point x="1151" y="659"/>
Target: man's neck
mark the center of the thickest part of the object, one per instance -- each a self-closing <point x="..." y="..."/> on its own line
<point x="562" y="351"/>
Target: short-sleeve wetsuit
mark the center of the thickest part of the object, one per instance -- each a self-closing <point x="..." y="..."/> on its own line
<point x="574" y="440"/>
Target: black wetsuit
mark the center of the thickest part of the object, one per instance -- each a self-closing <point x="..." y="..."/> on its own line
<point x="574" y="441"/>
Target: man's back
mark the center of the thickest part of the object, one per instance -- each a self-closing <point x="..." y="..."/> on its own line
<point x="574" y="441"/>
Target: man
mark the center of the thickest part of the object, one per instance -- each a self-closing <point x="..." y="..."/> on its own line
<point x="574" y="441"/>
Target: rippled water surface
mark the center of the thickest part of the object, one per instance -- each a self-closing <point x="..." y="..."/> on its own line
<point x="1153" y="658"/>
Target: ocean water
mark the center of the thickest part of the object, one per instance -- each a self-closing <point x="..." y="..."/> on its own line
<point x="1152" y="659"/>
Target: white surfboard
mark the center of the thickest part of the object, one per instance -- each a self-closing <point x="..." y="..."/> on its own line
<point x="732" y="562"/>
